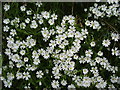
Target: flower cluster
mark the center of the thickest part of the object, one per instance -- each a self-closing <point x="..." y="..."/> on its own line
<point x="110" y="1"/>
<point x="42" y="52"/>
<point x="104" y="11"/>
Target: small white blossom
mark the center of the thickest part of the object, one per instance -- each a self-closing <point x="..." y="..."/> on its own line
<point x="88" y="53"/>
<point x="36" y="61"/>
<point x="29" y="12"/>
<point x="6" y="28"/>
<point x="26" y="75"/>
<point x="6" y="21"/>
<point x="22" y="52"/>
<point x="39" y="74"/>
<point x="38" y="4"/>
<point x="34" y="24"/>
<point x="51" y="21"/>
<point x="115" y="51"/>
<point x="85" y="71"/>
<point x="45" y="14"/>
<point x="64" y="82"/>
<point x="55" y="84"/>
<point x="92" y="44"/>
<point x="100" y="53"/>
<point x="106" y="42"/>
<point x="22" y="25"/>
<point x="115" y="36"/>
<point x="19" y="75"/>
<point x="22" y="8"/>
<point x="26" y="59"/>
<point x="6" y="7"/>
<point x="27" y="20"/>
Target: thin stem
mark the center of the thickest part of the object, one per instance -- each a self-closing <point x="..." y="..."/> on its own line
<point x="110" y="26"/>
<point x="72" y="7"/>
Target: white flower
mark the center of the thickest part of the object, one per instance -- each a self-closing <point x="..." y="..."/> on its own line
<point x="39" y="74"/>
<point x="26" y="75"/>
<point x="27" y="20"/>
<point x="10" y="76"/>
<point x="84" y="31"/>
<point x="45" y="14"/>
<point x="47" y="71"/>
<point x="13" y="32"/>
<point x="98" y="59"/>
<point x="40" y="83"/>
<point x="54" y="17"/>
<point x="95" y="24"/>
<point x="118" y="81"/>
<point x="20" y="64"/>
<point x="85" y="9"/>
<point x="55" y="84"/>
<point x="62" y="37"/>
<point x="6" y="7"/>
<point x="6" y="28"/>
<point x="22" y="25"/>
<point x="86" y="81"/>
<point x="106" y="42"/>
<point x="36" y="61"/>
<point x="115" y="51"/>
<point x="27" y="87"/>
<point x="11" y="64"/>
<point x="114" y="79"/>
<point x="71" y="19"/>
<point x="87" y="23"/>
<point x="22" y="52"/>
<point x="52" y="43"/>
<point x="7" y="52"/>
<point x="75" y="56"/>
<point x="86" y="84"/>
<point x="51" y="21"/>
<point x="99" y="79"/>
<point x="34" y="24"/>
<point x="88" y="53"/>
<point x="46" y="55"/>
<point x="38" y="4"/>
<point x="92" y="44"/>
<point x="25" y="59"/>
<point x="6" y="21"/>
<point x="7" y="83"/>
<point x="100" y="53"/>
<point x="19" y="75"/>
<point x="71" y="67"/>
<point x="45" y="32"/>
<point x="2" y="78"/>
<point x="29" y="12"/>
<point x="101" y="84"/>
<point x="115" y="36"/>
<point x="78" y="35"/>
<point x="32" y="42"/>
<point x="22" y="8"/>
<point x="62" y="46"/>
<point x="60" y="29"/>
<point x="40" y="21"/>
<point x="16" y="58"/>
<point x="85" y="71"/>
<point x="35" y="55"/>
<point x="64" y="83"/>
<point x="33" y="68"/>
<point x="71" y="86"/>
<point x="111" y="87"/>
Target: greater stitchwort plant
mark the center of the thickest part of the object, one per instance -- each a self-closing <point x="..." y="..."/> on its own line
<point x="45" y="49"/>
